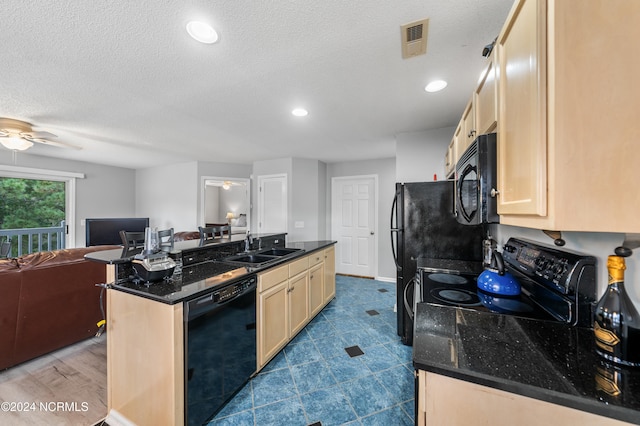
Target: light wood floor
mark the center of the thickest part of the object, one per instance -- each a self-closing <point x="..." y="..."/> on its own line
<point x="76" y="375"/>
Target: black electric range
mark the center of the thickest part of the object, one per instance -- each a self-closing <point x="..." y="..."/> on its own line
<point x="557" y="285"/>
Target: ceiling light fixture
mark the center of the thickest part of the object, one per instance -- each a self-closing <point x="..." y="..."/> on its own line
<point x="202" y="32"/>
<point x="16" y="143"/>
<point x="435" y="86"/>
<point x="300" y="112"/>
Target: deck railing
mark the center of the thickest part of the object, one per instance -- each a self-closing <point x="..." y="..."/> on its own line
<point x="31" y="240"/>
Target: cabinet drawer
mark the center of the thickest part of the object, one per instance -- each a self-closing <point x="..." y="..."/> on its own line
<point x="273" y="277"/>
<point x="316" y="258"/>
<point x="298" y="266"/>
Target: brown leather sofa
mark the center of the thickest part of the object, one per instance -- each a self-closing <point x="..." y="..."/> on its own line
<point x="48" y="300"/>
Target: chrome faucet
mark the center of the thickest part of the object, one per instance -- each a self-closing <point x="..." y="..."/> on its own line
<point x="248" y="240"/>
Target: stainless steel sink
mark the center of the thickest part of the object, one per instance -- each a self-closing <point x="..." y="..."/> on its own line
<point x="278" y="251"/>
<point x="262" y="257"/>
<point x="250" y="258"/>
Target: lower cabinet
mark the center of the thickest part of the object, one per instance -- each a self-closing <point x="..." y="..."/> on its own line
<point x="439" y="403"/>
<point x="316" y="288"/>
<point x="145" y="359"/>
<point x="289" y="296"/>
<point x="329" y="283"/>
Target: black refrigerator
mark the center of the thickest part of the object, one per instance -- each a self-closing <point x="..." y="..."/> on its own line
<point x="424" y="225"/>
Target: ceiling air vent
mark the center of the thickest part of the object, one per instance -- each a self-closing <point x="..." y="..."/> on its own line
<point x="414" y="38"/>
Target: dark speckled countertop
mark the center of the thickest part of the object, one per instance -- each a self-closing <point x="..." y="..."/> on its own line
<point x="201" y="278"/>
<point x="539" y="359"/>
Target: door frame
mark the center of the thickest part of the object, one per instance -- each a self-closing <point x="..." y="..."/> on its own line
<point x="334" y="234"/>
<point x="203" y="190"/>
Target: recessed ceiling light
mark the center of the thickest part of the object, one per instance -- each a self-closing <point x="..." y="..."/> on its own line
<point x="202" y="32"/>
<point x="300" y="112"/>
<point x="436" y="86"/>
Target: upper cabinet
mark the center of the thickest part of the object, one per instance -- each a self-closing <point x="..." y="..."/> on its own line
<point x="479" y="117"/>
<point x="522" y="160"/>
<point x="568" y="144"/>
<point x="469" y="132"/>
<point x="485" y="99"/>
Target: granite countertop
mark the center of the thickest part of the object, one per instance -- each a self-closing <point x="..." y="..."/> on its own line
<point x="201" y="278"/>
<point x="119" y="256"/>
<point x="539" y="359"/>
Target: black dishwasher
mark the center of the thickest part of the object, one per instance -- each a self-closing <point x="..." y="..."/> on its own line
<point x="220" y="347"/>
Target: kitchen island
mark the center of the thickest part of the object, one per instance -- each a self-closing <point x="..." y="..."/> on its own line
<point x="148" y="364"/>
<point x="487" y="368"/>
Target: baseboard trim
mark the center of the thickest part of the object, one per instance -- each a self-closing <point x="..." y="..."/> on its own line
<point x="386" y="279"/>
<point x="355" y="276"/>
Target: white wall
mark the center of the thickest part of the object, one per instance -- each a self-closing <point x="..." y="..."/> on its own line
<point x="420" y="155"/>
<point x="168" y="195"/>
<point x="104" y="192"/>
<point x="385" y="169"/>
<point x="212" y="204"/>
<point x="305" y="200"/>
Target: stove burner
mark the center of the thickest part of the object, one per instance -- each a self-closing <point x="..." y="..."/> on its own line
<point x="457" y="297"/>
<point x="448" y="279"/>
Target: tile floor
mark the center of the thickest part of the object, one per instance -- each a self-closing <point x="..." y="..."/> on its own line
<point x="314" y="381"/>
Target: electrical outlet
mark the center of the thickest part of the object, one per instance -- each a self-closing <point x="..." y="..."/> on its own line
<point x="299" y="224"/>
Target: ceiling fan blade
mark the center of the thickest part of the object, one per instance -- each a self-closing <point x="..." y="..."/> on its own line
<point x="41" y="134"/>
<point x="49" y="142"/>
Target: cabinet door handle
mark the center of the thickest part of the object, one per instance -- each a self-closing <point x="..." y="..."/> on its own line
<point x="494" y="192"/>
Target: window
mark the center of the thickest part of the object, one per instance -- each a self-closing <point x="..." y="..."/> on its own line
<point x="35" y="198"/>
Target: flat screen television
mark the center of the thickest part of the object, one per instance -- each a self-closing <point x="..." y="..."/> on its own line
<point x="106" y="231"/>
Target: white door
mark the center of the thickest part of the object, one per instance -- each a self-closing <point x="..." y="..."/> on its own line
<point x="272" y="203"/>
<point x="353" y="219"/>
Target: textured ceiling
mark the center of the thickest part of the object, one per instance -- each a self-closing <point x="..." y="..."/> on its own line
<point x="124" y="81"/>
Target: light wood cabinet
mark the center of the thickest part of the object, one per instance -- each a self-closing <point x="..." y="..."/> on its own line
<point x="485" y="99"/>
<point x="145" y="359"/>
<point x="450" y="159"/>
<point x="298" y="303"/>
<point x="567" y="140"/>
<point x="316" y="288"/>
<point x="468" y="130"/>
<point x="273" y="320"/>
<point x="522" y="155"/>
<point x="329" y="282"/>
<point x="289" y="296"/>
<point x="439" y="403"/>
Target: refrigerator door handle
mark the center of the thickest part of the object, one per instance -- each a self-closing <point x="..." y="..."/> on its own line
<point x="407" y="305"/>
<point x="394" y="233"/>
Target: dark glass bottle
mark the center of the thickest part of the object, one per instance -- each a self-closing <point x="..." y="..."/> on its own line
<point x="617" y="323"/>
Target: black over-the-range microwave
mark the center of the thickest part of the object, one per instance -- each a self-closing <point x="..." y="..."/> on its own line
<point x="476" y="185"/>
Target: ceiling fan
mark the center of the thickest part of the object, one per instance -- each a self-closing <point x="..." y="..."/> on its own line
<point x="227" y="184"/>
<point x="19" y="135"/>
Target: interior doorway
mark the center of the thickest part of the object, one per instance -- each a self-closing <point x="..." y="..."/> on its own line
<point x="354" y="223"/>
<point x="226" y="200"/>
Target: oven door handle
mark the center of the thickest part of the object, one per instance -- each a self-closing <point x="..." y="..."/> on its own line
<point x="407" y="305"/>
